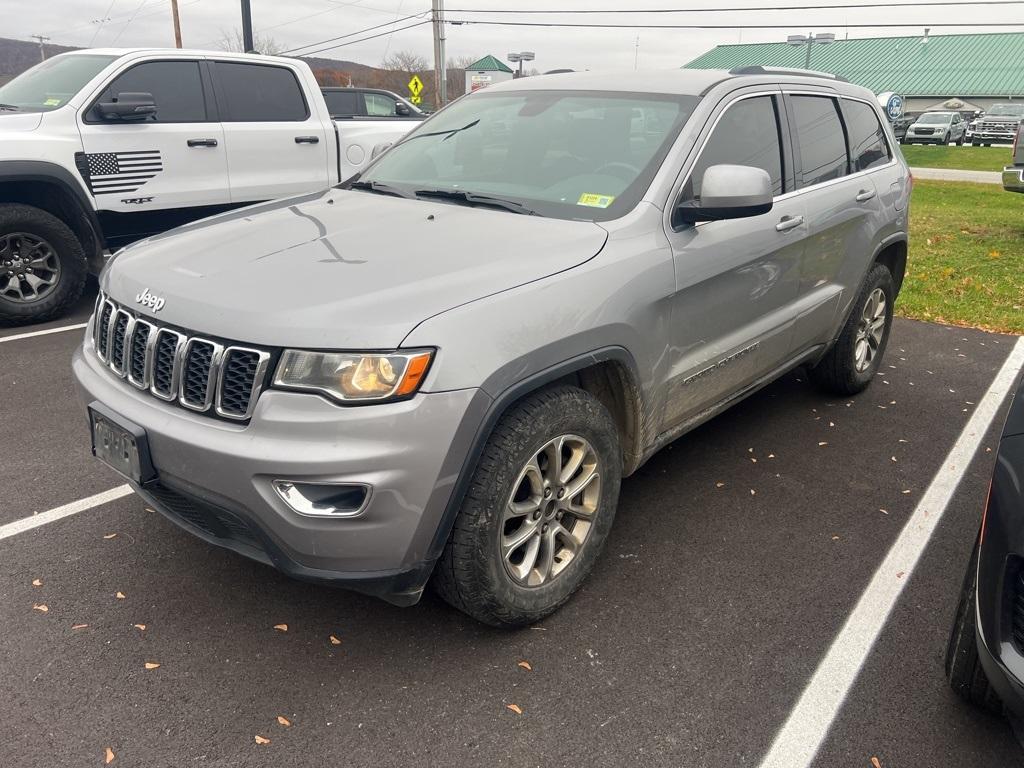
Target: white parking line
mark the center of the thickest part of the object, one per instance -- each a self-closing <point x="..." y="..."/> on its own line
<point x="48" y="331"/>
<point x="804" y="731"/>
<point x="52" y="515"/>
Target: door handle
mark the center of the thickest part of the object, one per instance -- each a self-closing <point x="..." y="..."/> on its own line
<point x="787" y="223"/>
<point x="864" y="195"/>
<point x="307" y="139"/>
<point x="202" y="142"/>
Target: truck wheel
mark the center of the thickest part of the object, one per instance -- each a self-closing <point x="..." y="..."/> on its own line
<point x="539" y="507"/>
<point x="960" y="141"/>
<point x="945" y="140"/>
<point x="854" y="359"/>
<point x="963" y="669"/>
<point x="42" y="265"/>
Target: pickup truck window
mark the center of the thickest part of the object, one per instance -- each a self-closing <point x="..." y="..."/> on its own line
<point x="565" y="154"/>
<point x="260" y="93"/>
<point x="1006" y="110"/>
<point x="343" y="103"/>
<point x="177" y="89"/>
<point x="49" y="85"/>
<point x="746" y="134"/>
<point x="820" y="136"/>
<point x="379" y="105"/>
<point x="868" y="148"/>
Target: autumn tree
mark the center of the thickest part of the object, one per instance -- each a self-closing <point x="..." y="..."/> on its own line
<point x="233" y="41"/>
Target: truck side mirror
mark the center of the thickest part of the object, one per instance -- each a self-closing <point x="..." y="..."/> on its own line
<point x="128" y="106"/>
<point x="729" y="192"/>
<point x="402" y="110"/>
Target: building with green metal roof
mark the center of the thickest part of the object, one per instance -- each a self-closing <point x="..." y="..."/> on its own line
<point x="486" y="71"/>
<point x="929" y="71"/>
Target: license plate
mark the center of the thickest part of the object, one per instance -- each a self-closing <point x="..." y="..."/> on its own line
<point x="121" y="449"/>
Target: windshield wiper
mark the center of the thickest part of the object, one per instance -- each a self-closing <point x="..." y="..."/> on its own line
<point x="471" y="198"/>
<point x="447" y="134"/>
<point x="9" y="108"/>
<point x="379" y="188"/>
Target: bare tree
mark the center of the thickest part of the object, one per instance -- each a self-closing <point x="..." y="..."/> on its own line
<point x="232" y="41"/>
<point x="397" y="69"/>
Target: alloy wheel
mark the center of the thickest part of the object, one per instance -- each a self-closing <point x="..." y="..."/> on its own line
<point x="29" y="267"/>
<point x="551" y="511"/>
<point x="870" y="330"/>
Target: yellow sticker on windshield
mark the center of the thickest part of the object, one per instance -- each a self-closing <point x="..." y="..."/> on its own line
<point x="51" y="103"/>
<point x="595" y="201"/>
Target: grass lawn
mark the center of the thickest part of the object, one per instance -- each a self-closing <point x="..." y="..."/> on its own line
<point x="966" y="261"/>
<point x="959" y="158"/>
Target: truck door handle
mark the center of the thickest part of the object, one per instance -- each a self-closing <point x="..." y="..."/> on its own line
<point x="307" y="139"/>
<point x="202" y="142"/>
<point x="787" y="223"/>
<point x="864" y="195"/>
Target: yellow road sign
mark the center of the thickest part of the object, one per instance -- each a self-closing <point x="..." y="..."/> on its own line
<point x="416" y="99"/>
<point x="415" y="86"/>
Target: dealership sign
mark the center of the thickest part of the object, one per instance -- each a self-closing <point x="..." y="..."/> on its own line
<point x="892" y="103"/>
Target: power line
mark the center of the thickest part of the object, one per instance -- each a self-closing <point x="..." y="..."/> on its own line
<point x="915" y="4"/>
<point x="353" y="34"/>
<point x="103" y="20"/>
<point x="364" y="39"/>
<point x="878" y="25"/>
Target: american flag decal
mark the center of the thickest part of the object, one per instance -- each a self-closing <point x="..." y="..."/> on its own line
<point x="119" y="172"/>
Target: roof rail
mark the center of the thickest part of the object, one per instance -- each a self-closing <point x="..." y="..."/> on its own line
<point x="759" y="70"/>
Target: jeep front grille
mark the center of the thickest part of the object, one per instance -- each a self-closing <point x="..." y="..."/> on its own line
<point x="198" y="373"/>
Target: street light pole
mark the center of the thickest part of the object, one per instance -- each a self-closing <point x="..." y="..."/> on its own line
<point x="247" y="43"/>
<point x="440" y="67"/>
<point x="521" y="57"/>
<point x="809" y="40"/>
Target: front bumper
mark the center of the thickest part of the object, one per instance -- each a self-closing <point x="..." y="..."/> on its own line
<point x="994" y="137"/>
<point x="214" y="478"/>
<point x="1013" y="178"/>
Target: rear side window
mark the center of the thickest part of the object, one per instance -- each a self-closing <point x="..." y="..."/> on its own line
<point x="176" y="86"/>
<point x="821" y="139"/>
<point x="380" y="105"/>
<point x="343" y="103"/>
<point x="258" y="93"/>
<point x="746" y="134"/>
<point x="868" y="147"/>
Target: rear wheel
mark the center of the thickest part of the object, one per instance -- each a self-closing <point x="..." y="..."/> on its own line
<point x="945" y="140"/>
<point x="960" y="141"/>
<point x="42" y="265"/>
<point x="540" y="505"/>
<point x="963" y="668"/>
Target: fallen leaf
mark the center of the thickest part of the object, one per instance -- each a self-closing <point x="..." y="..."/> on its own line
<point x="40" y="607"/>
<point x="884" y="511"/>
<point x="79" y="626"/>
<point x="753" y="492"/>
<point x="821" y="444"/>
<point x="140" y="627"/>
<point x="335" y="641"/>
<point x="719" y="485"/>
<point x="282" y="720"/>
<point x="261" y="740"/>
<point x="281" y="627"/>
<point x="110" y="536"/>
<point x="37" y="583"/>
<point x="151" y="665"/>
<point x="108" y="756"/>
<point x="893" y="458"/>
<point x="899" y="575"/>
<point x="771" y="455"/>
<point x="835" y="538"/>
<point x="515" y="708"/>
<point x="906" y="491"/>
<point x="753" y="459"/>
<point x="875" y="763"/>
<point x="525" y="665"/>
<point x="119" y="595"/>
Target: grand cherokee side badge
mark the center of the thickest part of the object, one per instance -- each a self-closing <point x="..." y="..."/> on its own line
<point x="151" y="300"/>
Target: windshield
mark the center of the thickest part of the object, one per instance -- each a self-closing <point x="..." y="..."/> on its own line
<point x="1007" y="110"/>
<point x="565" y="154"/>
<point x="49" y="85"/>
<point x="935" y="119"/>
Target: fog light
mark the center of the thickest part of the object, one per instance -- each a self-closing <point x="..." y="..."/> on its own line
<point x="323" y="499"/>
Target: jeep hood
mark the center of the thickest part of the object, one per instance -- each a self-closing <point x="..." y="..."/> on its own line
<point x="340" y="269"/>
<point x="17" y="122"/>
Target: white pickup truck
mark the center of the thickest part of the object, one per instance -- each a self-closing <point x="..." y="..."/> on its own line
<point x="102" y="147"/>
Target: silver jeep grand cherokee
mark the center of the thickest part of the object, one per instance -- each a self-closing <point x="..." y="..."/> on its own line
<point x="442" y="369"/>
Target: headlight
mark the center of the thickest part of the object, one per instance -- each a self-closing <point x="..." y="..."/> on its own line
<point x="353" y="376"/>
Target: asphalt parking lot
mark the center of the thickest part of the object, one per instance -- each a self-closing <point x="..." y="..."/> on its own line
<point x="737" y="556"/>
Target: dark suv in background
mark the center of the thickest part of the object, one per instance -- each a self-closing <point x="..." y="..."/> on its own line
<point x="378" y="104"/>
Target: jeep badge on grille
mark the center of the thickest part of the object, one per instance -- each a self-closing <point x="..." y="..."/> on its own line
<point x="151" y="300"/>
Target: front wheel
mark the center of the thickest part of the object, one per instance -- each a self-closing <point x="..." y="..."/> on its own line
<point x="849" y="366"/>
<point x="540" y="505"/>
<point x="42" y="265"/>
<point x="960" y="141"/>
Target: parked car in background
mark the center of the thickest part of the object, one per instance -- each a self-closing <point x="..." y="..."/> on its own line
<point x="985" y="654"/>
<point x="369" y="103"/>
<point x="103" y="147"/>
<point x="999" y="125"/>
<point x="1013" y="175"/>
<point x="444" y="367"/>
<point x="936" y="128"/>
<point x="899" y="127"/>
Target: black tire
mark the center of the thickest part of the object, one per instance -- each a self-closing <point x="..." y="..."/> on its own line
<point x="975" y="144"/>
<point x="960" y="141"/>
<point x="471" y="574"/>
<point x="945" y="140"/>
<point x="70" y="280"/>
<point x="963" y="668"/>
<point x="837" y="372"/>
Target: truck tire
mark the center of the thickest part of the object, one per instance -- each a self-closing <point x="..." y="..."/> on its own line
<point x="42" y="265"/>
<point x="851" y="364"/>
<point x="963" y="668"/>
<point x="540" y="505"/>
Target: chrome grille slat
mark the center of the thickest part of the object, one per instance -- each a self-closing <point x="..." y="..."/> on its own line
<point x="194" y="372"/>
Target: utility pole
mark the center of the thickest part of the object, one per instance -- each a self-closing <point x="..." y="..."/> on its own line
<point x="42" y="52"/>
<point x="247" y="27"/>
<point x="177" y="23"/>
<point x="440" y="67"/>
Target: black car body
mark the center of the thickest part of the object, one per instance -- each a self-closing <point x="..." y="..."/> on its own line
<point x="985" y="659"/>
<point x="369" y="103"/>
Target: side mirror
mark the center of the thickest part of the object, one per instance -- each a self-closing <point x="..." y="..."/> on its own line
<point x="728" y="192"/>
<point x="128" y="106"/>
<point x="402" y="110"/>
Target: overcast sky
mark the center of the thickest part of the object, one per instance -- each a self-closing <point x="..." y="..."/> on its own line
<point x="293" y="23"/>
